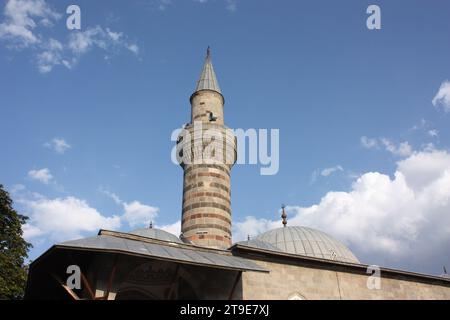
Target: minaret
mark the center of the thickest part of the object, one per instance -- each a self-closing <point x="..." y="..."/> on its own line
<point x="206" y="210"/>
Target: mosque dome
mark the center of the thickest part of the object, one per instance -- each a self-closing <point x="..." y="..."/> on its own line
<point x="156" y="234"/>
<point x="307" y="242"/>
<point x="259" y="244"/>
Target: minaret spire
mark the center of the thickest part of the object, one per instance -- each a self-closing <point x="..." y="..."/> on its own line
<point x="208" y="79"/>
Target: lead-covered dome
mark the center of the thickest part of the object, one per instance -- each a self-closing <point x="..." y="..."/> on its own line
<point x="156" y="234"/>
<point x="258" y="244"/>
<point x="308" y="242"/>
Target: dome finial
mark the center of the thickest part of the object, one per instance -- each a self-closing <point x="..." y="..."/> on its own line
<point x="445" y="274"/>
<point x="284" y="215"/>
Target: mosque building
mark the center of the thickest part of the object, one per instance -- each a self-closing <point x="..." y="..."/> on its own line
<point x="289" y="262"/>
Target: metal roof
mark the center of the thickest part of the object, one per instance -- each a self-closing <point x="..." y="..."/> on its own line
<point x="156" y="234"/>
<point x="254" y="243"/>
<point x="110" y="241"/>
<point x="208" y="79"/>
<point x="308" y="242"/>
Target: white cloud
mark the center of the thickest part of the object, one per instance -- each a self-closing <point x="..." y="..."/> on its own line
<point x="325" y="172"/>
<point x="112" y="195"/>
<point x="369" y="142"/>
<point x="22" y="17"/>
<point x="22" y="29"/>
<point x="137" y="213"/>
<point x="51" y="55"/>
<point x="433" y="133"/>
<point x="81" y="42"/>
<point x="402" y="221"/>
<point x="174" y="228"/>
<point x="403" y="149"/>
<point x="163" y="4"/>
<point x="427" y="127"/>
<point x="231" y="5"/>
<point x="328" y="171"/>
<point x="115" y="36"/>
<point x="17" y="188"/>
<point x="30" y="231"/>
<point x="423" y="168"/>
<point x="64" y="218"/>
<point x="42" y="175"/>
<point x="252" y="226"/>
<point x="133" y="48"/>
<point x="442" y="97"/>
<point x="59" y="145"/>
<point x="421" y="125"/>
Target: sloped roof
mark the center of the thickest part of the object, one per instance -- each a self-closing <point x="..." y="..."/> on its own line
<point x="118" y="242"/>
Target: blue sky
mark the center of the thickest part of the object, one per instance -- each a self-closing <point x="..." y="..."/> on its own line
<point x="363" y="117"/>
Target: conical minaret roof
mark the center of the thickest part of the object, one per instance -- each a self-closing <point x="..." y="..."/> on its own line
<point x="208" y="79"/>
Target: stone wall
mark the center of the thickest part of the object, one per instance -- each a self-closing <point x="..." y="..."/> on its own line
<point x="302" y="281"/>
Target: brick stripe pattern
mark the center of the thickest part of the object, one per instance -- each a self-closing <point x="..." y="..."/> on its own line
<point x="206" y="211"/>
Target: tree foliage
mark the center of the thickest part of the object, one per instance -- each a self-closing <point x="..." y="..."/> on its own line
<point x="13" y="250"/>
